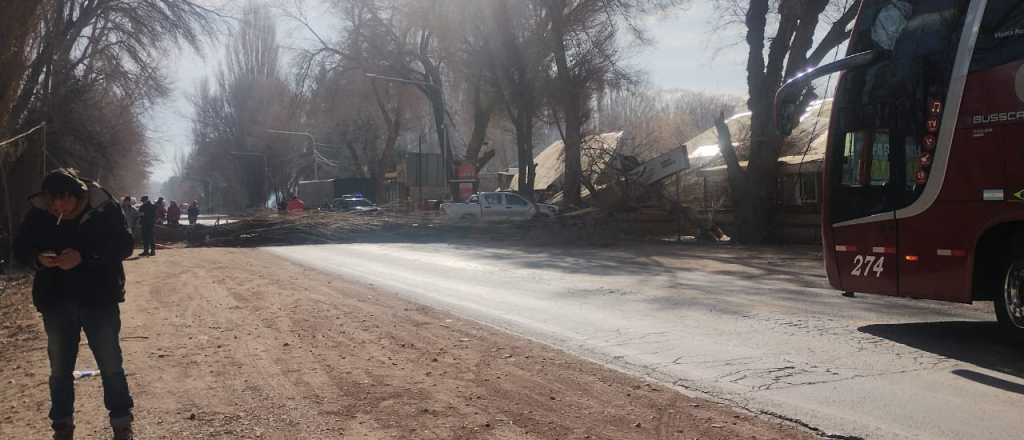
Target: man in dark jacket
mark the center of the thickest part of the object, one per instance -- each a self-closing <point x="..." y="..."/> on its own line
<point x="147" y="219"/>
<point x="75" y="238"/>
<point x="193" y="212"/>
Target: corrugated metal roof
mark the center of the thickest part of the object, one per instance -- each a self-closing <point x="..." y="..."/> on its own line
<point x="551" y="161"/>
<point x="806" y="144"/>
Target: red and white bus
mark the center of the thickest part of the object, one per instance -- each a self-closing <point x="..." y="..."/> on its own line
<point x="924" y="179"/>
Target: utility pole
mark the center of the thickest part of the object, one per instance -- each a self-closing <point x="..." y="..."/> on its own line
<point x="419" y="172"/>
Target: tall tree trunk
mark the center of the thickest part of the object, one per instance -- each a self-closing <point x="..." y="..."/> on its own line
<point x="573" y="149"/>
<point x="571" y="101"/>
<point x="758" y="215"/>
<point x="483" y="109"/>
<point x="524" y="153"/>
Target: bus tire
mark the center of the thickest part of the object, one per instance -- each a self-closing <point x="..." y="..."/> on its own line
<point x="1009" y="304"/>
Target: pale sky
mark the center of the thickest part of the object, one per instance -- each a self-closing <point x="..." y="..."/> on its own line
<point x="689" y="53"/>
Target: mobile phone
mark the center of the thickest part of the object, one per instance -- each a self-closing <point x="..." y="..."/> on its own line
<point x="50" y="254"/>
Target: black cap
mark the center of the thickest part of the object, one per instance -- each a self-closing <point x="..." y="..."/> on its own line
<point x="63" y="181"/>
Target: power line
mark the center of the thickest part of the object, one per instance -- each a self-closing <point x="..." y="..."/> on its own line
<point x="30" y="131"/>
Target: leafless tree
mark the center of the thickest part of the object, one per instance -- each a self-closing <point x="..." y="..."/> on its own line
<point x="89" y="69"/>
<point x="367" y="116"/>
<point x="780" y="35"/>
<point x="583" y="39"/>
<point x="233" y="146"/>
<point x="18" y="25"/>
<point x="656" y="121"/>
<point x="396" y="38"/>
<point x="117" y="43"/>
<point x="517" y="60"/>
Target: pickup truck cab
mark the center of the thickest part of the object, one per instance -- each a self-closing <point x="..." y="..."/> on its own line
<point x="496" y="206"/>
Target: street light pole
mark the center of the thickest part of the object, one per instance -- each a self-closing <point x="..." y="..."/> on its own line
<point x="444" y="124"/>
<point x="419" y="173"/>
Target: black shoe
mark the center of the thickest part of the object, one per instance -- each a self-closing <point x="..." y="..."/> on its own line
<point x="64" y="430"/>
<point x="124" y="433"/>
<point x="122" y="428"/>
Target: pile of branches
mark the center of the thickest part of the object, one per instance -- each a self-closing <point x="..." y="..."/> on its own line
<point x="310" y="228"/>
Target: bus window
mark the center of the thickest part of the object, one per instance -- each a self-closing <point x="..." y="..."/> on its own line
<point x="865" y="175"/>
<point x="852" y="154"/>
<point x="880" y="159"/>
<point x="1001" y="38"/>
<point x="866" y="168"/>
<point x="884" y="111"/>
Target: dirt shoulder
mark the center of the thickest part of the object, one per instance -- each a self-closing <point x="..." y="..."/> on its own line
<point x="238" y="344"/>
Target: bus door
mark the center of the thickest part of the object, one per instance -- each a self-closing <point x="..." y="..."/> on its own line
<point x="863" y="221"/>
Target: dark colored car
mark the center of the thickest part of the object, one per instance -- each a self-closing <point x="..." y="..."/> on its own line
<point x="354" y="204"/>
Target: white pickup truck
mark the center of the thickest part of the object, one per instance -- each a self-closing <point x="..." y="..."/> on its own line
<point x="496" y="206"/>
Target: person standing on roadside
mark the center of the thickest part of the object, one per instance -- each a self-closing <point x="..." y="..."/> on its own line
<point x="161" y="211"/>
<point x="193" y="212"/>
<point x="76" y="238"/>
<point x="173" y="214"/>
<point x="147" y="217"/>
<point x="131" y="215"/>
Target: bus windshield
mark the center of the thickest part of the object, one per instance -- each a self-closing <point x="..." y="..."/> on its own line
<point x="888" y="113"/>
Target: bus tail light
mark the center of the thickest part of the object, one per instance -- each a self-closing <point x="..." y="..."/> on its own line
<point x="912" y="258"/>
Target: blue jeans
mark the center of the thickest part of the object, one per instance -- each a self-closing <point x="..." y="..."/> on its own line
<point x="102" y="327"/>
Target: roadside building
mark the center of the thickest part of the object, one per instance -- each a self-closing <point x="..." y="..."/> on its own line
<point x="706" y="188"/>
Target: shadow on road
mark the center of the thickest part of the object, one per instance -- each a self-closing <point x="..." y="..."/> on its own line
<point x="793" y="266"/>
<point x="534" y="245"/>
<point x="991" y="381"/>
<point x="973" y="342"/>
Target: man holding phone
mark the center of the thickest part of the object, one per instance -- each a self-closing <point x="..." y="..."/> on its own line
<point x="76" y="238"/>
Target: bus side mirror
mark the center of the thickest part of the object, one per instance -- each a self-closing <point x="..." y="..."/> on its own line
<point x="787" y="99"/>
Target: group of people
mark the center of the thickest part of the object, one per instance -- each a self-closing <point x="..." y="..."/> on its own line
<point x="172" y="215"/>
<point x="148" y="214"/>
<point x="165" y="214"/>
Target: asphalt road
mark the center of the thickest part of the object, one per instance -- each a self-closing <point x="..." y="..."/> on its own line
<point x="755" y="328"/>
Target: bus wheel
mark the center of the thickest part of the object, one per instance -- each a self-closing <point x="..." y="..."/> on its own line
<point x="1010" y="305"/>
